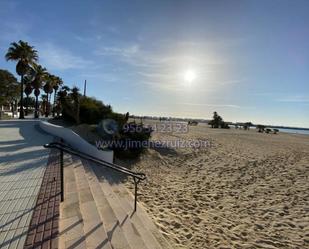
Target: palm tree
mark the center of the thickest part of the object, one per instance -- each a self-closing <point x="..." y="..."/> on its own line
<point x="57" y="83"/>
<point x="65" y="90"/>
<point x="40" y="76"/>
<point x="76" y="103"/>
<point x="44" y="103"/>
<point x="28" y="91"/>
<point x="48" y="89"/>
<point x="62" y="94"/>
<point x="25" y="55"/>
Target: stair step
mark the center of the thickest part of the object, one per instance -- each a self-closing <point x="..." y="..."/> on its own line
<point x="111" y="223"/>
<point x="133" y="236"/>
<point x="147" y="236"/>
<point x="71" y="231"/>
<point x="140" y="218"/>
<point x="98" y="212"/>
<point x="95" y="234"/>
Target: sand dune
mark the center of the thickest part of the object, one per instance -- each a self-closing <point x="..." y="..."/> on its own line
<point x="247" y="190"/>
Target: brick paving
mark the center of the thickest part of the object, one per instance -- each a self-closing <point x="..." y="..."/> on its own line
<point x="43" y="230"/>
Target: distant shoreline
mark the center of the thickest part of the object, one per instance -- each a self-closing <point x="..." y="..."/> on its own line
<point x="295" y="131"/>
<point x="288" y="128"/>
<point x="207" y="120"/>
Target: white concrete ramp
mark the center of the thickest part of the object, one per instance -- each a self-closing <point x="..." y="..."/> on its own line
<point x="76" y="142"/>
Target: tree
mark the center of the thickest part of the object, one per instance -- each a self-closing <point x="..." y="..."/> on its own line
<point x="92" y="111"/>
<point x="261" y="128"/>
<point x="61" y="96"/>
<point x="25" y="55"/>
<point x="48" y="89"/>
<point x="10" y="89"/>
<point x="7" y="80"/>
<point x="43" y="104"/>
<point x="57" y="83"/>
<point x="37" y="83"/>
<point x="69" y="100"/>
<point x="13" y="97"/>
<point x="127" y="117"/>
<point x="28" y="91"/>
<point x="76" y="104"/>
<point x="247" y="125"/>
<point x="216" y="121"/>
<point x="31" y="102"/>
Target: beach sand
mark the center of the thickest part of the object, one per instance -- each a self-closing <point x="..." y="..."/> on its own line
<point x="246" y="190"/>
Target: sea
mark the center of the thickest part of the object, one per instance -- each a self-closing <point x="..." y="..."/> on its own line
<point x="295" y="131"/>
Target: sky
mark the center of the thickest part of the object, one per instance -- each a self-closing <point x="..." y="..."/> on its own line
<point x="248" y="60"/>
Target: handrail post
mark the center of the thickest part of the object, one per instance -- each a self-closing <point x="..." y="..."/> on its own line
<point x="135" y="196"/>
<point x="61" y="175"/>
<point x="137" y="177"/>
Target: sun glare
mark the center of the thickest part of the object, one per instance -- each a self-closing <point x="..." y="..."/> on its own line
<point x="189" y="76"/>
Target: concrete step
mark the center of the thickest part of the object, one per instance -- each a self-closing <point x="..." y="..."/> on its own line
<point x="140" y="218"/>
<point x="98" y="212"/>
<point x="131" y="233"/>
<point x="71" y="231"/>
<point x="124" y="197"/>
<point x="94" y="230"/>
<point x="111" y="223"/>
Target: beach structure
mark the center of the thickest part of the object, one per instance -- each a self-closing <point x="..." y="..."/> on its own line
<point x="94" y="210"/>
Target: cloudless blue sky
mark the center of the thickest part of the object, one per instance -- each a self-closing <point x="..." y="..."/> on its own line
<point x="250" y="58"/>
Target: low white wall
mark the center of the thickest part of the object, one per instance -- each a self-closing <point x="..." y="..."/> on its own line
<point x="76" y="141"/>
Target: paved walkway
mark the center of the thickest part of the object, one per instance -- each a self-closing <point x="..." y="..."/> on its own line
<point x="44" y="226"/>
<point x="22" y="165"/>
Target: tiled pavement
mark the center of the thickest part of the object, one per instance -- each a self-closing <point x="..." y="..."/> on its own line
<point x="22" y="165"/>
<point x="43" y="230"/>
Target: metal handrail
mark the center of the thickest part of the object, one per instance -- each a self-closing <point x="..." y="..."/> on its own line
<point x="137" y="177"/>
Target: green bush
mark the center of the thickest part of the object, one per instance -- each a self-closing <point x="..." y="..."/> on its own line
<point x="119" y="118"/>
<point x="134" y="137"/>
<point x="92" y="111"/>
<point x="217" y="122"/>
<point x="67" y="113"/>
<point x="224" y="125"/>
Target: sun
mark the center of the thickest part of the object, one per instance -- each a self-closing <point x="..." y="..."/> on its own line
<point x="189" y="76"/>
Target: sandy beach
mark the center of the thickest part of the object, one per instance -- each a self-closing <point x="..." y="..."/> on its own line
<point x="246" y="190"/>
